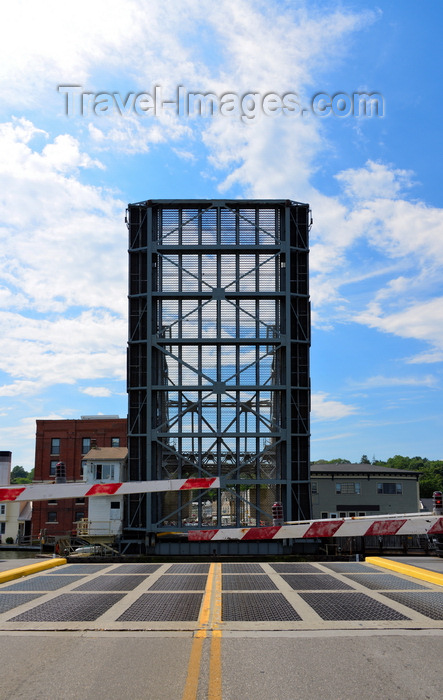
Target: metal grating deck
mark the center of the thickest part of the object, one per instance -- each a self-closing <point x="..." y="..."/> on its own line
<point x="83" y="569"/>
<point x="242" y="569"/>
<point x="191" y="582"/>
<point x="429" y="603"/>
<point x="299" y="568"/>
<point x="344" y="567"/>
<point x="109" y="582"/>
<point x="378" y="582"/>
<point x="70" y="607"/>
<point x="350" y="606"/>
<point x="189" y="569"/>
<point x="172" y="607"/>
<point x="135" y="569"/>
<point x="10" y="600"/>
<point x="257" y="606"/>
<point x="317" y="582"/>
<point x="42" y="583"/>
<point x="170" y="594"/>
<point x="247" y="582"/>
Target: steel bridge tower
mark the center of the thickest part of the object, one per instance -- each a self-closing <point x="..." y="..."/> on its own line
<point x="218" y="362"/>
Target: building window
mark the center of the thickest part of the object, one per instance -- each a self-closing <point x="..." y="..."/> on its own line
<point x="352" y="514"/>
<point x="324" y="515"/>
<point x="2" y="528"/>
<point x="115" y="442"/>
<point x="361" y="515"/>
<point x="80" y="500"/>
<point x="52" y="466"/>
<point x="86" y="445"/>
<point x="115" y="510"/>
<point x="390" y="488"/>
<point x="3" y="509"/>
<point x="348" y="487"/>
<point x="342" y="514"/>
<point x="55" y="446"/>
<point x="52" y="503"/>
<point x="104" y="471"/>
<point x="79" y="515"/>
<point x="314" y="487"/>
<point x="52" y="516"/>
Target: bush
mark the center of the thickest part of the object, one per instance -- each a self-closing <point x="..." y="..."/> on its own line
<point x="9" y="540"/>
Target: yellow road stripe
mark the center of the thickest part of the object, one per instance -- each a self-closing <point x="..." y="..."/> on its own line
<point x="205" y="624"/>
<point x="191" y="685"/>
<point x="407" y="569"/>
<point x="215" y="669"/>
<point x="215" y="677"/>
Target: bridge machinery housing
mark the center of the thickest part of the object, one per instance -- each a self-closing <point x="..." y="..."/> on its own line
<point x="218" y="368"/>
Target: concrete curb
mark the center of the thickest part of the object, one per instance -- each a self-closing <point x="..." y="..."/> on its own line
<point x="11" y="574"/>
<point x="407" y="569"/>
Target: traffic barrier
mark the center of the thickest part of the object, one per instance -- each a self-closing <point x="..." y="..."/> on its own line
<point x="46" y="492"/>
<point x="415" y="524"/>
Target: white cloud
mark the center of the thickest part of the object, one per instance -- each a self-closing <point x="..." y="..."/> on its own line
<point x="97" y="391"/>
<point x="326" y="409"/>
<point x="380" y="381"/>
<point x="421" y="321"/>
<point x="375" y="180"/>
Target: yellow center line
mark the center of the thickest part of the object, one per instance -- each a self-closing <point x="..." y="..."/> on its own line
<point x="215" y="669"/>
<point x="208" y="624"/>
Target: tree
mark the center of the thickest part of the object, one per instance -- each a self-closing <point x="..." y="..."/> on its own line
<point x="19" y="475"/>
<point x="431" y="480"/>
<point x="364" y="460"/>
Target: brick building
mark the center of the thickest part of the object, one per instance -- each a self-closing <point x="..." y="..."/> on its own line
<point x="68" y="441"/>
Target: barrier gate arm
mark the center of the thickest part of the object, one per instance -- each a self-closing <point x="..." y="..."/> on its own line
<point x="409" y="524"/>
<point x="46" y="492"/>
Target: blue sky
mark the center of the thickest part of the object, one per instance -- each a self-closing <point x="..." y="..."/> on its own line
<point x="373" y="183"/>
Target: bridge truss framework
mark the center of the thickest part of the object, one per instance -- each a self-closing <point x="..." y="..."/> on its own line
<point x="218" y="361"/>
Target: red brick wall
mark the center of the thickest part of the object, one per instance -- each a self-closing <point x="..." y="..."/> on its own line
<point x="71" y="434"/>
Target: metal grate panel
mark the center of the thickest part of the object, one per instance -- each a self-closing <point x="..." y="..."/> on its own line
<point x="112" y="583"/>
<point x="429" y="603"/>
<point x="84" y="569"/>
<point x="317" y="582"/>
<point x="172" y="607"/>
<point x="188" y="569"/>
<point x="42" y="583"/>
<point x="10" y="600"/>
<point x="135" y="569"/>
<point x="242" y="569"/>
<point x="248" y="582"/>
<point x="257" y="606"/>
<point x="350" y="606"/>
<point x="378" y="582"/>
<point x="70" y="607"/>
<point x="298" y="568"/>
<point x="344" y="567"/>
<point x="191" y="582"/>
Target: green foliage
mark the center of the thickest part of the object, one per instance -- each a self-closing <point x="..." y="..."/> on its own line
<point x="364" y="459"/>
<point x="19" y="475"/>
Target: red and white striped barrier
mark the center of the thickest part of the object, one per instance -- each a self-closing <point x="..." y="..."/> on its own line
<point x="47" y="492"/>
<point x="416" y="524"/>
